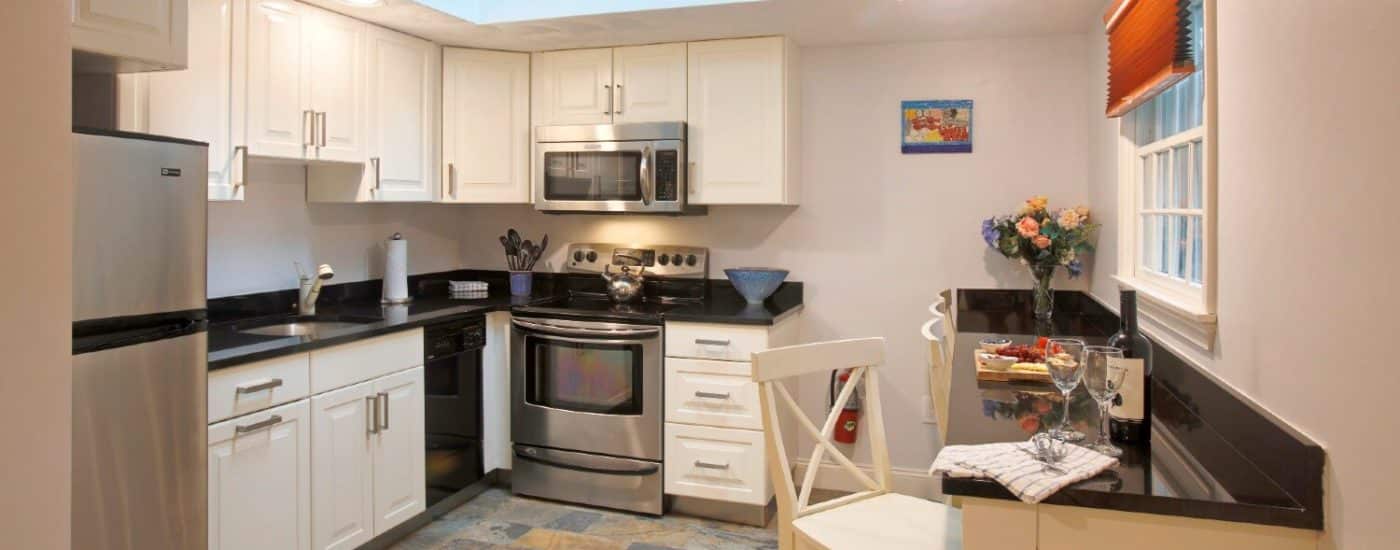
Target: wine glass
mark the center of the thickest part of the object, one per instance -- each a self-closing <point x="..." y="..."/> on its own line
<point x="1063" y="360"/>
<point x="1103" y="377"/>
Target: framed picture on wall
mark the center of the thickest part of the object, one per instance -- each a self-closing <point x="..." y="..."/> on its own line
<point x="936" y="126"/>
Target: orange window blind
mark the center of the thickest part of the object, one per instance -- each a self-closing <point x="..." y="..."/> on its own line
<point x="1149" y="49"/>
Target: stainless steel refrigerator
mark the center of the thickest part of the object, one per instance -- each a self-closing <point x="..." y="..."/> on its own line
<point x="139" y="342"/>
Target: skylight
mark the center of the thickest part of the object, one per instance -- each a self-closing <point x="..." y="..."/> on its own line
<point x="486" y="12"/>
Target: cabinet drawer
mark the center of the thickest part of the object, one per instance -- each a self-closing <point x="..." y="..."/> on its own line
<point x="712" y="341"/>
<point x="716" y="463"/>
<point x="712" y="393"/>
<point x="356" y="362"/>
<point x="256" y="386"/>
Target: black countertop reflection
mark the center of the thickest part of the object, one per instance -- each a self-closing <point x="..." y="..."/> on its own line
<point x="1190" y="468"/>
<point x="715" y="301"/>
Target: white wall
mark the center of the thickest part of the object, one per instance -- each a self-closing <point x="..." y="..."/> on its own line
<point x="252" y="244"/>
<point x="879" y="233"/>
<point x="1307" y="114"/>
<point x="36" y="218"/>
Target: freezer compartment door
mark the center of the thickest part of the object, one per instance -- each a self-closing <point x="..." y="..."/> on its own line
<point x="139" y="225"/>
<point x="139" y="472"/>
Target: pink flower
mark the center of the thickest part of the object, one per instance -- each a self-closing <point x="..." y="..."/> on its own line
<point x="1028" y="227"/>
<point x="1041" y="241"/>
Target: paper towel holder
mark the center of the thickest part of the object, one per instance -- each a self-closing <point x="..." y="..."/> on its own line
<point x="385" y="299"/>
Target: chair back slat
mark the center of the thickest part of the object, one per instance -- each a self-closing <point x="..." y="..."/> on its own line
<point x="770" y="367"/>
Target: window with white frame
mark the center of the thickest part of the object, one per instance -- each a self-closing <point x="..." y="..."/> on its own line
<point x="1166" y="241"/>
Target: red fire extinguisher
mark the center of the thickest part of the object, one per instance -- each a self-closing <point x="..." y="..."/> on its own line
<point x="850" y="414"/>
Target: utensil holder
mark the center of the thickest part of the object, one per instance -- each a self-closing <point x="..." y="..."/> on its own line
<point x="521" y="282"/>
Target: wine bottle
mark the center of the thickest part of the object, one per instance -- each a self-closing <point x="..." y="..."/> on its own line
<point x="1130" y="416"/>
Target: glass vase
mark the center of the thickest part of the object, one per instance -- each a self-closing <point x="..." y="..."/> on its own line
<point x="1043" y="295"/>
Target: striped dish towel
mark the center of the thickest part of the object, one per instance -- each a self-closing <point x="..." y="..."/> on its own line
<point x="1014" y="467"/>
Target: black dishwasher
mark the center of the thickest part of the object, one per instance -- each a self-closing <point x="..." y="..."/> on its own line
<point x="452" y="391"/>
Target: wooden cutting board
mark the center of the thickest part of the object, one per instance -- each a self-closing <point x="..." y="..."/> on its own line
<point x="990" y="375"/>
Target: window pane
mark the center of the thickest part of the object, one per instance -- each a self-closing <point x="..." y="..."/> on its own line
<point x="1180" y="172"/>
<point x="1162" y="182"/>
<point x="1197" y="167"/>
<point x="1179" y="267"/>
<point x="1196" y="249"/>
<point x="1148" y="185"/>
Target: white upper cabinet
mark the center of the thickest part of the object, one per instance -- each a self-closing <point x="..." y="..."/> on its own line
<point x="129" y="35"/>
<point x="195" y="103"/>
<point x="743" y="121"/>
<point x="572" y="87"/>
<point x="400" y="125"/>
<point x="273" y="90"/>
<point x="485" y="126"/>
<point x="335" y="84"/>
<point x="649" y="83"/>
<point x="610" y="85"/>
<point x="400" y="483"/>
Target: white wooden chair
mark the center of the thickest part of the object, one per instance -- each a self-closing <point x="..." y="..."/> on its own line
<point x="872" y="518"/>
<point x="940" y="334"/>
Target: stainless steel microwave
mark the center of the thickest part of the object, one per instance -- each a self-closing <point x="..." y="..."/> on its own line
<point x="612" y="168"/>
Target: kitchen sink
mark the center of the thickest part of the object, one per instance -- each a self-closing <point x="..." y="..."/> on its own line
<point x="311" y="327"/>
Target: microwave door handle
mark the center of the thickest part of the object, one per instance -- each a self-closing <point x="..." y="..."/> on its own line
<point x="648" y="183"/>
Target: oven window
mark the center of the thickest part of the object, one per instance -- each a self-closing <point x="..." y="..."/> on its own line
<point x="597" y="378"/>
<point x="592" y="176"/>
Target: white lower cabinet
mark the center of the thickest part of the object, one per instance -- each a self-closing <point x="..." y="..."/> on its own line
<point x="400" y="489"/>
<point x="342" y="489"/>
<point x="717" y="464"/>
<point x="260" y="480"/>
<point x="329" y="471"/>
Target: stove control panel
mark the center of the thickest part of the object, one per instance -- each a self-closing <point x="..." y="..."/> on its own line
<point x="687" y="262"/>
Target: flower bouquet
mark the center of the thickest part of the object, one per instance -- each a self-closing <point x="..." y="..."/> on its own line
<point x="1042" y="239"/>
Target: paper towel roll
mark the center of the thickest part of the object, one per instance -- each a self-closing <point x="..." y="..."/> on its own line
<point x="395" y="270"/>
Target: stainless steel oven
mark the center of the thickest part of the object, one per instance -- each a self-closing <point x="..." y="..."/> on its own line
<point x="635" y="168"/>
<point x="586" y="412"/>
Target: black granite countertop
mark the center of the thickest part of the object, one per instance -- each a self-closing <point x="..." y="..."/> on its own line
<point x="359" y="303"/>
<point x="1213" y="454"/>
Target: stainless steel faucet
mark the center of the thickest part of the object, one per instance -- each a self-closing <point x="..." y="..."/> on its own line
<point x="311" y="288"/>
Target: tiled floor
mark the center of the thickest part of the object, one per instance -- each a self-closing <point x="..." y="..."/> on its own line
<point x="497" y="519"/>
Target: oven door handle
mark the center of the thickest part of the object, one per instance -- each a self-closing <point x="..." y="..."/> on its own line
<point x="585" y="332"/>
<point x="644" y="471"/>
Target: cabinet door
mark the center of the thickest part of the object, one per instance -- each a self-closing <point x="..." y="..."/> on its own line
<point x="400" y="489"/>
<point x="649" y="83"/>
<point x="573" y="87"/>
<point x="260" y="480"/>
<point x="148" y="34"/>
<point x="736" y="100"/>
<point x="196" y="103"/>
<point x="342" y="491"/>
<point x="403" y="115"/>
<point x="334" y="47"/>
<point x="276" y="113"/>
<point x="486" y="126"/>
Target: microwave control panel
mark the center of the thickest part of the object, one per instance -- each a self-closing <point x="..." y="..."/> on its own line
<point x="667" y="175"/>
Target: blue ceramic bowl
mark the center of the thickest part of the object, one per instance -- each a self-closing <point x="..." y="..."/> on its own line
<point x="756" y="283"/>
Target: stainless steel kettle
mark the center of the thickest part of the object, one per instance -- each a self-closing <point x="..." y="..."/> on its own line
<point x="625" y="285"/>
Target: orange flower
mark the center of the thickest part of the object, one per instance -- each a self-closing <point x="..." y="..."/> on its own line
<point x="1041" y="241"/>
<point x="1028" y="227"/>
<point x="1030" y="424"/>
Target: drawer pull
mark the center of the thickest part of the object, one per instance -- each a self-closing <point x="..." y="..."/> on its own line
<point x="711" y="466"/>
<point x="260" y="386"/>
<point x="383" y="397"/>
<point x="270" y="422"/>
<point x="372" y="414"/>
<point x="709" y="342"/>
<point x="711" y="395"/>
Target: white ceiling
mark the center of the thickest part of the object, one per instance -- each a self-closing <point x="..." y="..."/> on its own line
<point x="809" y="22"/>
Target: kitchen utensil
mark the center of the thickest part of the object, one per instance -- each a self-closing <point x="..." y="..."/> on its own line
<point x="993" y="343"/>
<point x="624" y="286"/>
<point x="756" y="284"/>
<point x="992" y="361"/>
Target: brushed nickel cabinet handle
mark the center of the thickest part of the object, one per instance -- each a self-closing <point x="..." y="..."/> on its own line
<point x="270" y="422"/>
<point x="372" y="414"/>
<point x="711" y="466"/>
<point x="385" y="398"/>
<point x="608" y="87"/>
<point x="451" y="180"/>
<point x="238" y="171"/>
<point x="308" y="128"/>
<point x="260" y="386"/>
<point x="711" y="395"/>
<point x="617" y="107"/>
<point x="323" y="128"/>
<point x="374" y="191"/>
<point x="709" y="342"/>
